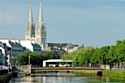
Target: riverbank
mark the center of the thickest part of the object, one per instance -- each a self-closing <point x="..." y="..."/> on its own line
<point x="84" y="73"/>
<point x="115" y="73"/>
<point x="107" y="75"/>
<point x="5" y="78"/>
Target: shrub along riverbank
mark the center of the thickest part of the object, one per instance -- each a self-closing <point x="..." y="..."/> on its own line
<point x="5" y="78"/>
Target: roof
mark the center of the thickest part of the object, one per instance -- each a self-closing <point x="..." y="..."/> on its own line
<point x="57" y="60"/>
<point x="58" y="44"/>
<point x="6" y="41"/>
<point x="53" y="60"/>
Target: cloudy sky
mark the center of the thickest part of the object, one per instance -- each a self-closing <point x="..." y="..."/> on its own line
<point x="92" y="22"/>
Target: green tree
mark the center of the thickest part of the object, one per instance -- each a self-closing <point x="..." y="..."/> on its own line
<point x="49" y="55"/>
<point x="23" y="58"/>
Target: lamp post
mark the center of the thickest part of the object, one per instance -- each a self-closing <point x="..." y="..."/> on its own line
<point x="29" y="59"/>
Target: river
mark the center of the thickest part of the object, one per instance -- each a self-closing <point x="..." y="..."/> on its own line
<point x="52" y="77"/>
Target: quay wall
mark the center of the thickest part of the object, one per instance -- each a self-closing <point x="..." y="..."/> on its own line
<point x="25" y="68"/>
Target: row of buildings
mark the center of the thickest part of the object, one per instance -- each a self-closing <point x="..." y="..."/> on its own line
<point x="10" y="48"/>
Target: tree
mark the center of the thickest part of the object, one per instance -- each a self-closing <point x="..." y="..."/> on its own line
<point x="35" y="58"/>
<point x="111" y="54"/>
<point x="22" y="59"/>
<point x="49" y="55"/>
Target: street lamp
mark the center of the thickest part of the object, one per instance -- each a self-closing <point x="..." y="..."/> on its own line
<point x="29" y="59"/>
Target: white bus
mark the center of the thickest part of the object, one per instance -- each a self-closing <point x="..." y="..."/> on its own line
<point x="57" y="63"/>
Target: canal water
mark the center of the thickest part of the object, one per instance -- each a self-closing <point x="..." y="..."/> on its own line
<point x="52" y="77"/>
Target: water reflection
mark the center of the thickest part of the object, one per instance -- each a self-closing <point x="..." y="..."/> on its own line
<point x="58" y="78"/>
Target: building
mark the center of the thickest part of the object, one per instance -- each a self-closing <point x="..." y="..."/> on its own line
<point x="31" y="46"/>
<point x="4" y="54"/>
<point x="36" y="32"/>
<point x="61" y="47"/>
<point x="12" y="49"/>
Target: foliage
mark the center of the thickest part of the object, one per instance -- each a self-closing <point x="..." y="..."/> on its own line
<point x="103" y="55"/>
<point x="82" y="56"/>
<point x="35" y="58"/>
<point x="114" y="73"/>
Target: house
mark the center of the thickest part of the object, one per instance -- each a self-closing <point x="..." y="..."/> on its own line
<point x="31" y="46"/>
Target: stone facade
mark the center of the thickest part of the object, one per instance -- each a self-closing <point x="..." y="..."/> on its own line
<point x="36" y="32"/>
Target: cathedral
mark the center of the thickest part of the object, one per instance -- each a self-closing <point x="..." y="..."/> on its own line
<point x="36" y="32"/>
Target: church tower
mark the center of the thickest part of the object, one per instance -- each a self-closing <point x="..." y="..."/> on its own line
<point x="30" y="27"/>
<point x="36" y="32"/>
<point x="40" y="32"/>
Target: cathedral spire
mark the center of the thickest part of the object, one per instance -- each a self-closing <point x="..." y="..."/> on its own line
<point x="30" y="14"/>
<point x="40" y="14"/>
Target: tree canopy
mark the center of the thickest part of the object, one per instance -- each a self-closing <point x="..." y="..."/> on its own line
<point x="102" y="55"/>
<point x="35" y="58"/>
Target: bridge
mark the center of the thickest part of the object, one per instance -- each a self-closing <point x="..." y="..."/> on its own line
<point x="28" y="70"/>
<point x="64" y="69"/>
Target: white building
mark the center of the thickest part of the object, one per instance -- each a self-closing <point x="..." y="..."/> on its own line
<point x="12" y="49"/>
<point x="2" y="56"/>
<point x="31" y="46"/>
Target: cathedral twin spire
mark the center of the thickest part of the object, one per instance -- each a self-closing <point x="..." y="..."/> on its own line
<point x="31" y="15"/>
<point x="36" y="32"/>
<point x="40" y="14"/>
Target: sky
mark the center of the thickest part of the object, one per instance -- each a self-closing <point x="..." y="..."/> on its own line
<point x="90" y="22"/>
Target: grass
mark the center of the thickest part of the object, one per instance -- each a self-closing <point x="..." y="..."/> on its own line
<point x="114" y="73"/>
<point x="107" y="75"/>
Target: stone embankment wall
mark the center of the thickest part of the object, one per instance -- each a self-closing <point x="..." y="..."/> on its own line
<point x="25" y="68"/>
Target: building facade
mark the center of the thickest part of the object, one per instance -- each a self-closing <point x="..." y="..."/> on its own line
<point x="61" y="47"/>
<point x="4" y="54"/>
<point x="36" y="32"/>
<point x="11" y="48"/>
<point x="31" y="46"/>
